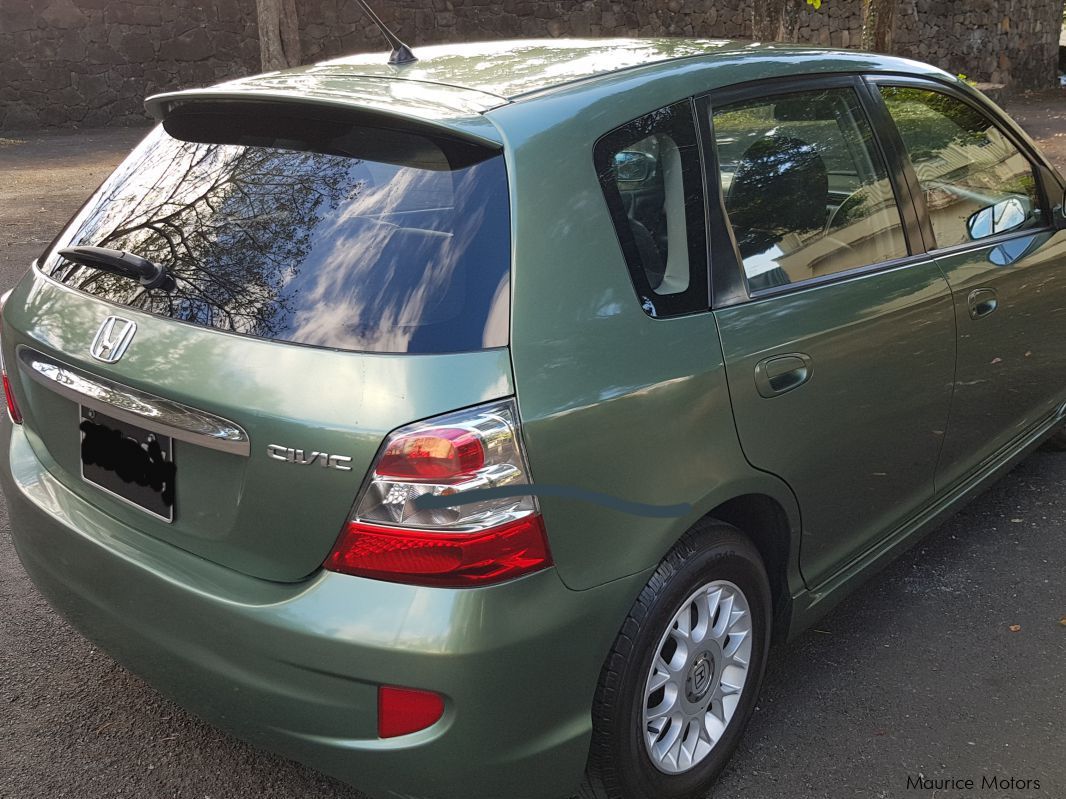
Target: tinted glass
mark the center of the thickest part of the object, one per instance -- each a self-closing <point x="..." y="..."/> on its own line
<point x="976" y="183"/>
<point x="648" y="177"/>
<point x="359" y="240"/>
<point x="805" y="187"/>
<point x="651" y="176"/>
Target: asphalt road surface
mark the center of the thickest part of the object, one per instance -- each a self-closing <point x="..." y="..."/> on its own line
<point x="951" y="664"/>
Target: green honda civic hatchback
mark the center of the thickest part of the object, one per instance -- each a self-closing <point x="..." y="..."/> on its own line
<point x="471" y="426"/>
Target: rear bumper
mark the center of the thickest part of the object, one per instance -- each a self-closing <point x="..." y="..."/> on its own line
<point x="295" y="667"/>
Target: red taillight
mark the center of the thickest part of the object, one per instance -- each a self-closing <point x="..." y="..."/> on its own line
<point x="402" y="711"/>
<point x="12" y="406"/>
<point x="486" y="537"/>
<point x="434" y="454"/>
<point x="455" y="560"/>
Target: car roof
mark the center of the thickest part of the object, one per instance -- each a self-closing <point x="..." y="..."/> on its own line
<point x="454" y="85"/>
<point x="514" y="69"/>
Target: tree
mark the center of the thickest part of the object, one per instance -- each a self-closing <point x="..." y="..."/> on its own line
<point x="768" y="20"/>
<point x="776" y="20"/>
<point x="878" y="22"/>
<point x="279" y="34"/>
<point x="878" y="19"/>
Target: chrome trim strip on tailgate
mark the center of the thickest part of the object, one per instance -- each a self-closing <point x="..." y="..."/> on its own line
<point x="157" y="414"/>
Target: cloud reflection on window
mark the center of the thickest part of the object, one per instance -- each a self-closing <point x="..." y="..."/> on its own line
<point x="306" y="247"/>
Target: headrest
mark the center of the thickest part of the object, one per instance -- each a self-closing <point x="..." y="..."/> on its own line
<point x="781" y="186"/>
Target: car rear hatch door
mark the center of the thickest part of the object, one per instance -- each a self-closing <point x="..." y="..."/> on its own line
<point x="334" y="276"/>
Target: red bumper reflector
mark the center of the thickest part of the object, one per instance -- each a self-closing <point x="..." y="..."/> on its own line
<point x="456" y="560"/>
<point x="402" y="711"/>
<point x="12" y="408"/>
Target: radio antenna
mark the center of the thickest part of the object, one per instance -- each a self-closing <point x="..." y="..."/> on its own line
<point x="401" y="53"/>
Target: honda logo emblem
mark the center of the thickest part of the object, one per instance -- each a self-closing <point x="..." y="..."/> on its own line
<point x="112" y="339"/>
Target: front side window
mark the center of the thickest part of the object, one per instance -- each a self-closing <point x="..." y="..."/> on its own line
<point x="651" y="177"/>
<point x="806" y="190"/>
<point x="976" y="183"/>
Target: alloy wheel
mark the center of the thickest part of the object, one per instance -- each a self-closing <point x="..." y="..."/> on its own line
<point x="697" y="676"/>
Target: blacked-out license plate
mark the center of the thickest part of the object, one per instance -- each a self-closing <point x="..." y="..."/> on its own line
<point x="129" y="462"/>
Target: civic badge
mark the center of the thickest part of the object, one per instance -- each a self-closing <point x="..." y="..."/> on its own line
<point x="112" y="339"/>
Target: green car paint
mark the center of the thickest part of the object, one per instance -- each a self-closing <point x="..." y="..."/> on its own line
<point x="232" y="512"/>
<point x="1022" y="370"/>
<point x="865" y="479"/>
<point x="227" y="609"/>
<point x="295" y="666"/>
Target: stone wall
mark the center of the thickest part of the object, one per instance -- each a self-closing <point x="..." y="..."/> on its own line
<point x="91" y="62"/>
<point x="1014" y="42"/>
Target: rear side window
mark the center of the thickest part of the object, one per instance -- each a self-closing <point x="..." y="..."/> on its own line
<point x="976" y="183"/>
<point x="651" y="177"/>
<point x="314" y="231"/>
<point x="805" y="187"/>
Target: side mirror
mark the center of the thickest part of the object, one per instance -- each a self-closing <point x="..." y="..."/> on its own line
<point x="633" y="167"/>
<point x="1004" y="216"/>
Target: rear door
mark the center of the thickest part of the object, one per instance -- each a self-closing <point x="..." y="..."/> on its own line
<point x="986" y="204"/>
<point x="838" y="333"/>
<point x="333" y="280"/>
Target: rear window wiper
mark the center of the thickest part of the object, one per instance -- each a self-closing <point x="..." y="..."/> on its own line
<point x="148" y="273"/>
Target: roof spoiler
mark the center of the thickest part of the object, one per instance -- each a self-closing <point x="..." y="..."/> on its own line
<point x="472" y="129"/>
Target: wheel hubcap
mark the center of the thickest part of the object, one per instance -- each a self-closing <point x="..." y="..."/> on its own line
<point x="697" y="676"/>
<point x="700" y="676"/>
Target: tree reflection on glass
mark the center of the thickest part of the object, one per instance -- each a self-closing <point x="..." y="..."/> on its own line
<point x="296" y="241"/>
<point x="233" y="225"/>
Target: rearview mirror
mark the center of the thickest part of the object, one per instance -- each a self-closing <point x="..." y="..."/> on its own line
<point x="633" y="167"/>
<point x="1002" y="217"/>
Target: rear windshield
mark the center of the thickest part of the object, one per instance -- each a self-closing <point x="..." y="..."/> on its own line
<point x="318" y="232"/>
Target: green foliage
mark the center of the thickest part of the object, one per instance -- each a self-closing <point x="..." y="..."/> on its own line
<point x="816" y="3"/>
<point x="930" y="123"/>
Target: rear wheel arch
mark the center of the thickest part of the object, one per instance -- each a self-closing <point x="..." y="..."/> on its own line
<point x="766" y="523"/>
<point x="619" y="765"/>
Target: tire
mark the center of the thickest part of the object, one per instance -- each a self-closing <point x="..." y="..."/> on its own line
<point x="631" y="756"/>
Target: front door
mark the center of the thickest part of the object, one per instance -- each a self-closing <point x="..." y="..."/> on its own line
<point x="993" y="236"/>
<point x="841" y="355"/>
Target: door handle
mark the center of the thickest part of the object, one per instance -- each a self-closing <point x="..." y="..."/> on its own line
<point x="780" y="374"/>
<point x="982" y="302"/>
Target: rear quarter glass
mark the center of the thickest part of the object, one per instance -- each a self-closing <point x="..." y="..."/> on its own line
<point x="309" y="230"/>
